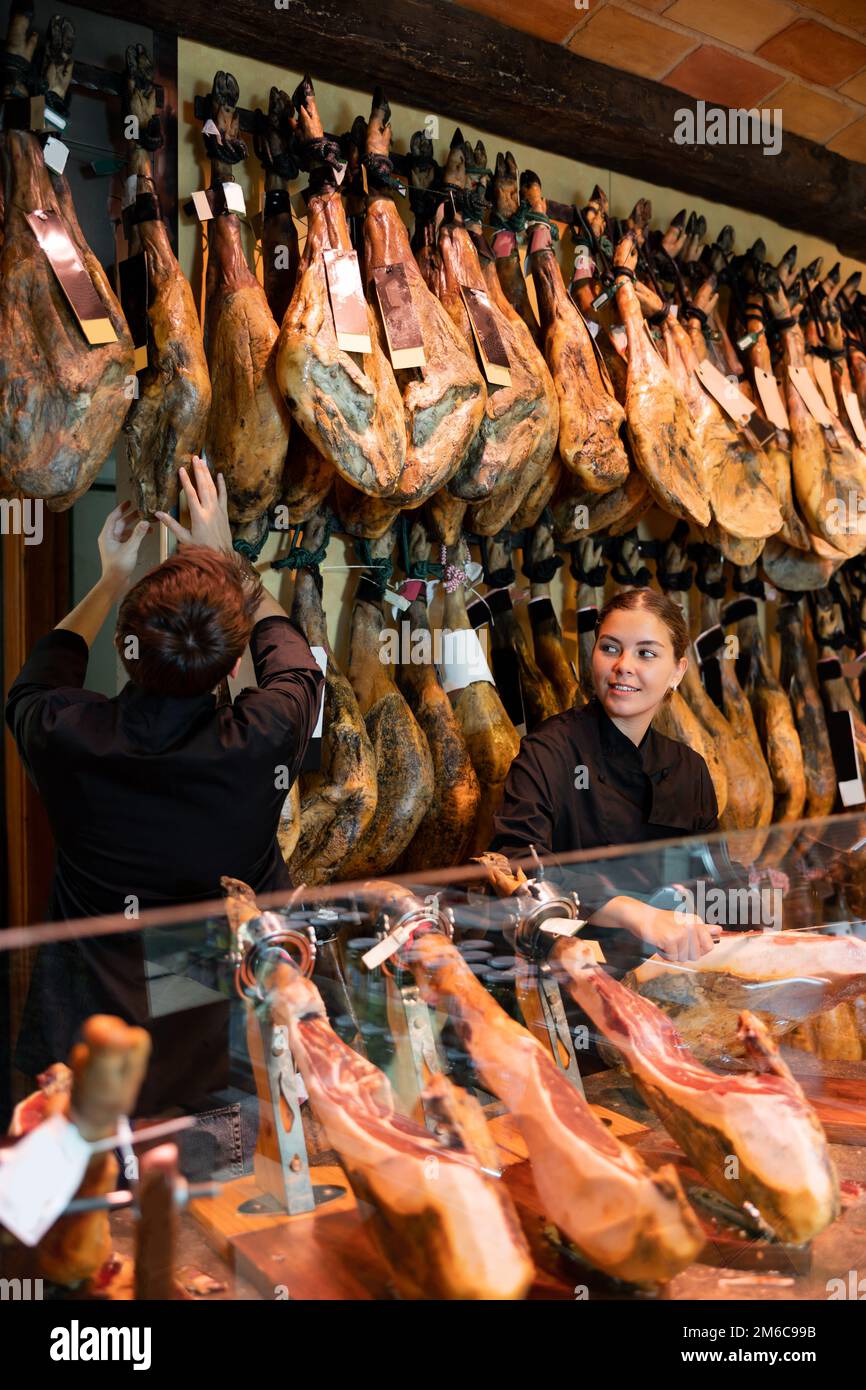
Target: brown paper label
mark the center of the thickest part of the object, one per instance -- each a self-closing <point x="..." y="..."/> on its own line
<point x="852" y="410"/>
<point x="824" y="378"/>
<point x="348" y="304"/>
<point x="72" y="274"/>
<point x="771" y="399"/>
<point x="402" y="329"/>
<point x="810" y="395"/>
<point x="491" y="349"/>
<point x="729" y="397"/>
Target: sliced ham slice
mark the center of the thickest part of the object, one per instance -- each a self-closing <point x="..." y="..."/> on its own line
<point x="754" y="1137"/>
<point x="445" y="1229"/>
<point x="785" y="977"/>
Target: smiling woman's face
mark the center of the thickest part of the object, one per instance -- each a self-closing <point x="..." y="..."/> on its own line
<point x="633" y="663"/>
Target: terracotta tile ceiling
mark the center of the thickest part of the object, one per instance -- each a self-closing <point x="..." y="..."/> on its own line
<point x="808" y="60"/>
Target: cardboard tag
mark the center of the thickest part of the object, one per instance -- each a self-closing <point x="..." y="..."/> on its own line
<point x="39" y="1176"/>
<point x="840" y="726"/>
<point x="491" y="349"/>
<point x="824" y="378"/>
<point x="771" y="399"/>
<point x="402" y="328"/>
<point x="88" y="308"/>
<point x="55" y="154"/>
<point x="398" y="602"/>
<point x="348" y="305"/>
<point x="201" y="205"/>
<point x="810" y="395"/>
<point x="584" y="265"/>
<point x="313" y="756"/>
<point x="729" y="397"/>
<point x="132" y="274"/>
<point x="130" y="189"/>
<point x="593" y="327"/>
<point x="852" y="410"/>
<point x="234" y="196"/>
<point x="463" y="660"/>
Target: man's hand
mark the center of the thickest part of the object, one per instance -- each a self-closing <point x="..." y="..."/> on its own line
<point x="678" y="935"/>
<point x="119" y="543"/>
<point x="208" y="510"/>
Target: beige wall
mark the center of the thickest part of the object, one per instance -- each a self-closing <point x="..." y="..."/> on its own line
<point x="564" y="180"/>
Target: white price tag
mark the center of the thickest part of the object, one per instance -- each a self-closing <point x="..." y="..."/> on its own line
<point x="322" y="661"/>
<point x="583" y="263"/>
<point x="234" y="196"/>
<point x="39" y="1176"/>
<point x="55" y="154"/>
<point x="130" y="189"/>
<point x="202" y="206"/>
<point x="463" y="661"/>
<point x="593" y="327"/>
<point x="473" y="571"/>
<point x="852" y="410"/>
<point x="729" y="397"/>
<point x="211" y="128"/>
<point x="398" y="602"/>
<point x="811" y="396"/>
<point x="771" y="399"/>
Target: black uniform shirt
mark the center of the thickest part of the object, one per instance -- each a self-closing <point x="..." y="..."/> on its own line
<point x="579" y="783"/>
<point x="150" y="801"/>
<point x="155" y="797"/>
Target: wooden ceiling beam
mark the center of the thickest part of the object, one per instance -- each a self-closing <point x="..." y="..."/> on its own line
<point x="461" y="65"/>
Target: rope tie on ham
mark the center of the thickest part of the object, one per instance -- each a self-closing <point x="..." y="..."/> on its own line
<point x="496" y="579"/>
<point x="753" y="587"/>
<point x="593" y="577"/>
<point x="453" y="576"/>
<point x="298" y="558"/>
<point x="706" y="556"/>
<point x="251" y="550"/>
<point x="379" y="567"/>
<point x="380" y="171"/>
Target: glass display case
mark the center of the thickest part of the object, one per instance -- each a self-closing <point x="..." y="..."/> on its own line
<point x="460" y="1085"/>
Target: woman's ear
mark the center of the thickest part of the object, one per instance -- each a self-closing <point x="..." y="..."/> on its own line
<point x="233" y="673"/>
<point x="681" y="667"/>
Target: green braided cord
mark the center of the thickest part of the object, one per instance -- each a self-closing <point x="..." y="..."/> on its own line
<point x="426" y="569"/>
<point x="381" y="567"/>
<point x="500" y="223"/>
<point x="300" y="559"/>
<point x="606" y="246"/>
<point x="479" y="170"/>
<point x="252" y="552"/>
<point x="530" y="215"/>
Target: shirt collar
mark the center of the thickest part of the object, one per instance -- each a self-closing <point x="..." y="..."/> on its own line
<point x="653" y="753"/>
<point x="155" y="722"/>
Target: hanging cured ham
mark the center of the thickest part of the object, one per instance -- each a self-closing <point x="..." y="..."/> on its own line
<point x="491" y="738"/>
<point x="280" y="254"/>
<point x="404" y="767"/>
<point x="445" y="1228"/>
<point x="338" y="799"/>
<point x="828" y="470"/>
<point x="348" y="404"/>
<point x="798" y="683"/>
<point x="166" y="423"/>
<point x="538" y="474"/>
<point x="540" y="563"/>
<point x="590" y="417"/>
<point x="443" y="837"/>
<point x="783" y="1165"/>
<point x="62" y="402"/>
<point x="248" y="426"/>
<point x="663" y="442"/>
<point x="515" y="417"/>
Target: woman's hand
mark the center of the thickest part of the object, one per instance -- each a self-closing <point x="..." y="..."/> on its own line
<point x="208" y="510"/>
<point x="678" y="935"/>
<point x="119" y="543"/>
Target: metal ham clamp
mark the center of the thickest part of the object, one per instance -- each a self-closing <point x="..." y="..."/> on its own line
<point x="281" y="1164"/>
<point x="538" y="914"/>
<point x="419" y="1054"/>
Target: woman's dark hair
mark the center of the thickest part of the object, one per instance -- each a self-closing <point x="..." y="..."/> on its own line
<point x="660" y="606"/>
<point x="182" y="627"/>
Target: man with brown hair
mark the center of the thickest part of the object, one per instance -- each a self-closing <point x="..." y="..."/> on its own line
<point x="154" y="794"/>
